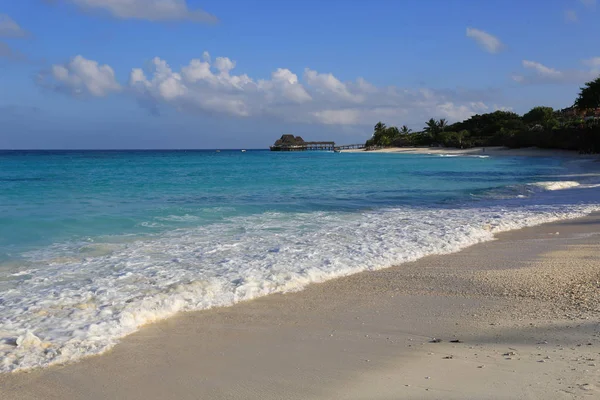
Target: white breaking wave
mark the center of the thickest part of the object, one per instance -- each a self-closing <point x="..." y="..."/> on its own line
<point x="68" y="306"/>
<point x="556" y="185"/>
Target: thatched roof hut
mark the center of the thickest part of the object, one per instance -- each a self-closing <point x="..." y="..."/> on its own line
<point x="289" y="140"/>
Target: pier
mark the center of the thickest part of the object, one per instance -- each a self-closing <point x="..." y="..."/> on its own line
<point x="350" y="146"/>
<point x="296" y="143"/>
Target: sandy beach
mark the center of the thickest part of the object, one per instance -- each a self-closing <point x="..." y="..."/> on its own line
<point x="489" y="151"/>
<point x="515" y="318"/>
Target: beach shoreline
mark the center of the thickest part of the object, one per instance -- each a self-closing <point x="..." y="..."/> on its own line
<point x="371" y="335"/>
<point x="481" y="151"/>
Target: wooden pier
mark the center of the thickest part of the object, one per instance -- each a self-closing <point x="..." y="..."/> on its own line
<point x="350" y="146"/>
<point x="296" y="143"/>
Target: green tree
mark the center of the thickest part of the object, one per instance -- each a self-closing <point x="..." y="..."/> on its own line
<point x="589" y="95"/>
<point x="543" y="116"/>
<point x="383" y="135"/>
<point x="431" y="127"/>
<point x="442" y="124"/>
<point x="379" y="127"/>
<point x="404" y="130"/>
<point x="486" y="125"/>
<point x="392" y="132"/>
<point x="460" y="136"/>
<point x="379" y="133"/>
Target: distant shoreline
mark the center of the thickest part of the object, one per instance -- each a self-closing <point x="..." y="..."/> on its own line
<point x="481" y="151"/>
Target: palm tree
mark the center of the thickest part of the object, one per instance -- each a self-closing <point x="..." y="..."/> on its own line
<point x="431" y="127"/>
<point x="404" y="130"/>
<point x="379" y="127"/>
<point x="442" y="124"/>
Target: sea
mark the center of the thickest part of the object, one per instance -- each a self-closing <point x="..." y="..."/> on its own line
<point x="96" y="244"/>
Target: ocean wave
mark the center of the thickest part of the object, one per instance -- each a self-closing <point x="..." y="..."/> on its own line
<point x="555" y="185"/>
<point x="527" y="190"/>
<point x="71" y="307"/>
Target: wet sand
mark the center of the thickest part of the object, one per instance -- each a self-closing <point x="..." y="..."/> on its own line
<point x="524" y="309"/>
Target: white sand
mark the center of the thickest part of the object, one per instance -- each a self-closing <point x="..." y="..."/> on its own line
<point x="525" y="308"/>
<point x="489" y="151"/>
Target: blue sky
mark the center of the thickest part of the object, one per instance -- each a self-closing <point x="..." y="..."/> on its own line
<point x="237" y="74"/>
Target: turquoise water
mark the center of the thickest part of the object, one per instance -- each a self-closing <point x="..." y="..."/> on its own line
<point x="94" y="244"/>
<point x="49" y="197"/>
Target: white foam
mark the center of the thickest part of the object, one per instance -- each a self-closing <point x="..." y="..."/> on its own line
<point x="556" y="185"/>
<point x="69" y="307"/>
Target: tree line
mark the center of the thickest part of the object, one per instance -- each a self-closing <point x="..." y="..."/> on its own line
<point x="574" y="128"/>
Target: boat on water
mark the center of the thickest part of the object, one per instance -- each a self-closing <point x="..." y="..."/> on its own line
<point x="243" y="151"/>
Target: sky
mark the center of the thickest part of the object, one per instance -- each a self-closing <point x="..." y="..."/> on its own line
<point x="177" y="74"/>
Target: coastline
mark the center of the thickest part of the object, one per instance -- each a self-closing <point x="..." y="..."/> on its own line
<point x="480" y="151"/>
<point x="530" y="295"/>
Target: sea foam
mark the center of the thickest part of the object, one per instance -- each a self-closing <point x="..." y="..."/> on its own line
<point x="70" y="304"/>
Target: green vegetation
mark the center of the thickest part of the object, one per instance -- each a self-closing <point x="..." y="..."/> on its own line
<point x="589" y="96"/>
<point x="575" y="128"/>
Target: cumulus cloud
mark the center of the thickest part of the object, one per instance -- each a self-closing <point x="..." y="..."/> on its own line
<point x="284" y="84"/>
<point x="196" y="88"/>
<point x="203" y="86"/>
<point x="330" y="85"/>
<point x="151" y="10"/>
<point x="79" y="77"/>
<point x="207" y="86"/>
<point x="540" y="73"/>
<point x="486" y="41"/>
<point x="10" y="29"/>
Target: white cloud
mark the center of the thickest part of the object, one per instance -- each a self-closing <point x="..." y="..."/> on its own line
<point x="214" y="87"/>
<point x="571" y="16"/>
<point x="81" y="76"/>
<point x="329" y="85"/>
<point x="338" y="117"/>
<point x="593" y="63"/>
<point x="541" y="73"/>
<point x="460" y="112"/>
<point x="486" y="41"/>
<point x="196" y="88"/>
<point x="496" y="107"/>
<point x="151" y="10"/>
<point x="224" y="65"/>
<point x="285" y="84"/>
<point x="10" y="29"/>
<point x="541" y="69"/>
<point x="588" y="3"/>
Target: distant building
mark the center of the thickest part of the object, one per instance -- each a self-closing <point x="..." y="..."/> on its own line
<point x="577" y="112"/>
<point x="296" y="143"/>
<point x="289" y="141"/>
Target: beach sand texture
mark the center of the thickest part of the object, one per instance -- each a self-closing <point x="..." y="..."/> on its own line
<point x="522" y="310"/>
